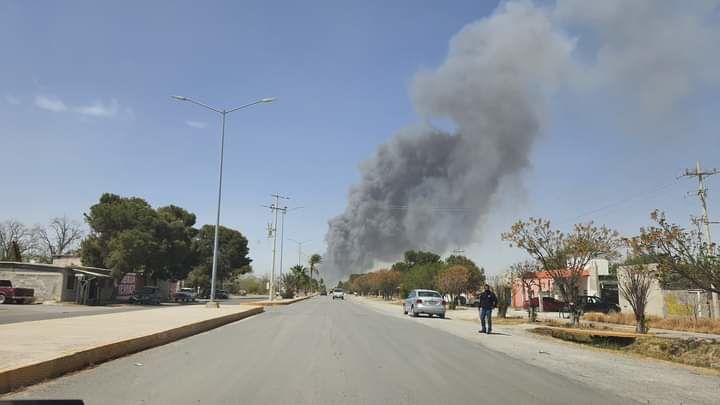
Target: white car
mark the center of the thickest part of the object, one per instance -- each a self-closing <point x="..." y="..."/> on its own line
<point x="424" y="302"/>
<point x="338" y="293"/>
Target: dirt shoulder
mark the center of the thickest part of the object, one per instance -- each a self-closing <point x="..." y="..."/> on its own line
<point x="631" y="376"/>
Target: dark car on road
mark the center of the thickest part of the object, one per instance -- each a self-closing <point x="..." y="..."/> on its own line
<point x="221" y="295"/>
<point x="146" y="295"/>
<point x="592" y="303"/>
<point x="550" y="304"/>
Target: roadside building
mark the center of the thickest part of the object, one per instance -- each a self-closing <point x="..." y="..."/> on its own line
<point x="595" y="280"/>
<point x="61" y="283"/>
<point x="668" y="301"/>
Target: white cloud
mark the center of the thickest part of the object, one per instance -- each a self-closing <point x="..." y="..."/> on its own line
<point x="50" y="103"/>
<point x="196" y="124"/>
<point x="12" y="99"/>
<point x="99" y="109"/>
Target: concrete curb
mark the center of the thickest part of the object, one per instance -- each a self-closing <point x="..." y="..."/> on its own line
<point x="34" y="373"/>
<point x="285" y="302"/>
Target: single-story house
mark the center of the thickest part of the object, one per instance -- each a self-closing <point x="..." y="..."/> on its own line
<point x="69" y="283"/>
<point x="595" y="280"/>
<point x="667" y="302"/>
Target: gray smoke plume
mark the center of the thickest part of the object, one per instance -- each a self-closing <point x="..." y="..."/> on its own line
<point x="429" y="189"/>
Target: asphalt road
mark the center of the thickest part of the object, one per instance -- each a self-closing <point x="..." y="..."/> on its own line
<point x="11" y="313"/>
<point x="320" y="351"/>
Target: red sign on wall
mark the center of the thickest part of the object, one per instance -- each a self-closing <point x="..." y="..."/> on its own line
<point x="128" y="284"/>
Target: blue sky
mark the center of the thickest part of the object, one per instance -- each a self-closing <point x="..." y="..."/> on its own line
<point x="85" y="109"/>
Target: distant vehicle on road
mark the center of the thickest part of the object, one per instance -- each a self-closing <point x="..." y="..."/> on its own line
<point x="323" y="292"/>
<point x="550" y="304"/>
<point x="9" y="294"/>
<point x="424" y="302"/>
<point x="221" y="295"/>
<point x="183" y="296"/>
<point x="146" y="295"/>
<point x="592" y="303"/>
<point x="242" y="293"/>
<point x="338" y="293"/>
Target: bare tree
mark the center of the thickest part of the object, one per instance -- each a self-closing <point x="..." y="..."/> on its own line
<point x="564" y="257"/>
<point x="634" y="283"/>
<point x="502" y="293"/>
<point x="14" y="231"/>
<point x="680" y="253"/>
<point x="60" y="236"/>
<point x="526" y="274"/>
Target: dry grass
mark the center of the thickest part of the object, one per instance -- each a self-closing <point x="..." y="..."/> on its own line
<point x="694" y="352"/>
<point x="567" y="324"/>
<point x="702" y="325"/>
<point x="508" y="321"/>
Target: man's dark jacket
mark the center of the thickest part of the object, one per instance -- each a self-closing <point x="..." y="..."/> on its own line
<point x="488" y="300"/>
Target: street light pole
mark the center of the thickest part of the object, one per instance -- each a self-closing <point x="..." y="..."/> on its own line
<point x="223" y="113"/>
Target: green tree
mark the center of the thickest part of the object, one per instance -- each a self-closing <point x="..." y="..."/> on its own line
<point x="415" y="258"/>
<point x="199" y="277"/>
<point x="477" y="274"/>
<point x="400" y="267"/>
<point x="233" y="251"/>
<point x="128" y="235"/>
<point x="175" y="235"/>
<point x="420" y="276"/>
<point x="315" y="259"/>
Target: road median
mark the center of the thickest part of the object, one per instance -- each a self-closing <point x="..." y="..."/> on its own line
<point x="268" y="303"/>
<point x="34" y="351"/>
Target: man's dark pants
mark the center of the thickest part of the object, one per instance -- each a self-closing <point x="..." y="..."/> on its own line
<point x="486" y="313"/>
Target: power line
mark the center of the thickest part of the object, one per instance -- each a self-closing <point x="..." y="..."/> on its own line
<point x="644" y="194"/>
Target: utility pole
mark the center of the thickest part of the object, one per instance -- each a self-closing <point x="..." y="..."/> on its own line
<point x="282" y="237"/>
<point x="299" y="243"/>
<point x="284" y="211"/>
<point x="274" y="207"/>
<point x="702" y="193"/>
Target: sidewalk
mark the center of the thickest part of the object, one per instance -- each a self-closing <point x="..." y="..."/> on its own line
<point x="636" y="378"/>
<point x="35" y="350"/>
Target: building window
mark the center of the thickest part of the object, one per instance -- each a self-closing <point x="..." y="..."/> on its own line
<point x="70" y="283"/>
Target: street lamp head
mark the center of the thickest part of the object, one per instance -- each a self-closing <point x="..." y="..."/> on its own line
<point x="268" y="99"/>
<point x="179" y="98"/>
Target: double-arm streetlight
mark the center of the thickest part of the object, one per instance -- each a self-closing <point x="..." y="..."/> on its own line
<point x="222" y="113"/>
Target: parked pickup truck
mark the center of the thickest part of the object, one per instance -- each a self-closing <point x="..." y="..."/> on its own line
<point x="9" y="294"/>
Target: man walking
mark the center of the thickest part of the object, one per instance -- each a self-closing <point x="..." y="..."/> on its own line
<point x="488" y="301"/>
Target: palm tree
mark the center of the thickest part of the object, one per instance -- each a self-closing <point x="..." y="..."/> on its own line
<point x="300" y="274"/>
<point x="315" y="259"/>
